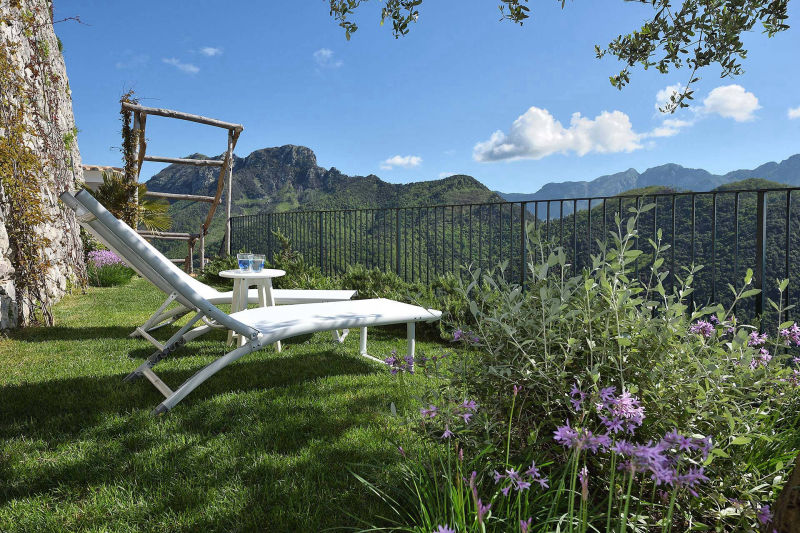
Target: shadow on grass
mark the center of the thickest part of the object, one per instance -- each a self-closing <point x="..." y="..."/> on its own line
<point x="66" y="407"/>
<point x="263" y="445"/>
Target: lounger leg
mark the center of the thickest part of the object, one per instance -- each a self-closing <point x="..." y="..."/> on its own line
<point x="362" y="346"/>
<point x="268" y="300"/>
<point x="340" y="338"/>
<point x="411" y="338"/>
<point x="174" y="342"/>
<point x="155" y="318"/>
<point x="193" y="382"/>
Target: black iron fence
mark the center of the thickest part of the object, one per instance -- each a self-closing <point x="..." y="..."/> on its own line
<point x="726" y="231"/>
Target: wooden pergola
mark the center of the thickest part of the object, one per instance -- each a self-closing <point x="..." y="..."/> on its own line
<point x="225" y="180"/>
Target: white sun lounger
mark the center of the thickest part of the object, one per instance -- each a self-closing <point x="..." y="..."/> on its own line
<point x="260" y="327"/>
<point x="165" y="317"/>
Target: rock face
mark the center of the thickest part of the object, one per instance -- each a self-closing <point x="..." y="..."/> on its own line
<point x="31" y="49"/>
<point x="288" y="177"/>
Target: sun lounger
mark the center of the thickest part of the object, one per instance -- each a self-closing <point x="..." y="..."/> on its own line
<point x="260" y="327"/>
<point x="165" y="316"/>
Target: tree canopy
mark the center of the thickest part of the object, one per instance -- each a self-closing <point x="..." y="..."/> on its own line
<point x="681" y="33"/>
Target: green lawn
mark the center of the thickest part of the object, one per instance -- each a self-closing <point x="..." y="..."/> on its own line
<point x="265" y="444"/>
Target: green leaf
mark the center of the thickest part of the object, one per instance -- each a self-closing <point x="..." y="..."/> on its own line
<point x="739" y="441"/>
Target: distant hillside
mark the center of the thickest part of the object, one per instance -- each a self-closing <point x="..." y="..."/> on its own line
<point x="288" y="178"/>
<point x="670" y="175"/>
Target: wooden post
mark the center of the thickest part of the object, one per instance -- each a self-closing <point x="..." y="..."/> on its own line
<point x="202" y="250"/>
<point x="190" y="258"/>
<point x="229" y="186"/>
<point x="135" y="178"/>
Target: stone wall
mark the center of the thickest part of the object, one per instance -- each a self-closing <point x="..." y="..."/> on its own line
<point x="29" y="43"/>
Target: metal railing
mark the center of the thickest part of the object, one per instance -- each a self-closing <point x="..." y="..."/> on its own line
<point x="727" y="231"/>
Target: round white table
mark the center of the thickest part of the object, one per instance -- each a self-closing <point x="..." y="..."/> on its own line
<point x="242" y="281"/>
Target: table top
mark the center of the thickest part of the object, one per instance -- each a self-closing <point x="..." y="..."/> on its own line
<point x="264" y="274"/>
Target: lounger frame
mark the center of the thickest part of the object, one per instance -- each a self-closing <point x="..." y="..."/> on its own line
<point x="149" y="263"/>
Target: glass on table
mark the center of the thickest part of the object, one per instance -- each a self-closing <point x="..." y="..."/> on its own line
<point x="257" y="263"/>
<point x="244" y="261"/>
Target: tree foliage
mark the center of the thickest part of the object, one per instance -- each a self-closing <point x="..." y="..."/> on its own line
<point x="115" y="196"/>
<point x="681" y="33"/>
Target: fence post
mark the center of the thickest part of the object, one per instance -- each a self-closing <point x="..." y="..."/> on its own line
<point x="397" y="241"/>
<point x="761" y="246"/>
<point x="319" y="234"/>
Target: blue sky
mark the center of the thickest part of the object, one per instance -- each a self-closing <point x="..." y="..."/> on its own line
<point x="462" y="93"/>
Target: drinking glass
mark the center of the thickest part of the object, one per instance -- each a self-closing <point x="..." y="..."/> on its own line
<point x="244" y="261"/>
<point x="257" y="263"/>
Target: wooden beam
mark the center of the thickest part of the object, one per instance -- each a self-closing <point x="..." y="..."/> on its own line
<point x="182" y="116"/>
<point x="175" y="196"/>
<point x="182" y="161"/>
<point x="168" y="235"/>
<point x="232" y="138"/>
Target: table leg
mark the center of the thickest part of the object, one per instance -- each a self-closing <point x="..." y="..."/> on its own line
<point x="269" y="300"/>
<point x="244" y="291"/>
<point x="235" y="297"/>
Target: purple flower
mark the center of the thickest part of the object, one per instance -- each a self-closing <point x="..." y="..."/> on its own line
<point x="525" y="525"/>
<point x="791" y="335"/>
<point x="482" y="510"/>
<point x="764" y="514"/>
<point x="613" y="424"/>
<point x="444" y="529"/>
<point x="565" y="435"/>
<point x="458" y="335"/>
<point x="756" y="340"/>
<point x="401" y="450"/>
<point x="498" y="476"/>
<point x="577" y="397"/>
<point x="692" y="478"/>
<point x="713" y="319"/>
<point x="763" y="358"/>
<point x="429" y="412"/>
<point x="701" y="327"/>
<point x="607" y="395"/>
<point x="580" y="439"/>
<point x="517" y="388"/>
<point x="447" y="433"/>
<point x="466" y="417"/>
<point x="469" y="405"/>
<point x="101" y="258"/>
<point x="397" y="365"/>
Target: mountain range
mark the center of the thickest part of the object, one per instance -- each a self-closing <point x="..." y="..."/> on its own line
<point x="288" y="177"/>
<point x="670" y="175"/>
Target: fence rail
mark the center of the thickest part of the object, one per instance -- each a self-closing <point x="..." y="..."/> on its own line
<point x="727" y="231"/>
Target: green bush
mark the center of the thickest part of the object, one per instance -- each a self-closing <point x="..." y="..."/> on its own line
<point x="216" y="265"/>
<point x="105" y="269"/>
<point x="714" y="394"/>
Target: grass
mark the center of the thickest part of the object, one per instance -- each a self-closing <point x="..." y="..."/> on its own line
<point x="265" y="444"/>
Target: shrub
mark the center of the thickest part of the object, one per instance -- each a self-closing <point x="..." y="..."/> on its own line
<point x="586" y="373"/>
<point x="105" y="269"/>
<point x="216" y="265"/>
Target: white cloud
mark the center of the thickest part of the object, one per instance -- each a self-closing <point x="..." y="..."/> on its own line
<point x="537" y="134"/>
<point x="443" y="175"/>
<point x="404" y="161"/>
<point x="794" y="112"/>
<point x="670" y="127"/>
<point x="324" y="58"/>
<point x="210" y="51"/>
<point x="663" y="96"/>
<point x="132" y="61"/>
<point x="183" y="67"/>
<point x="731" y="101"/>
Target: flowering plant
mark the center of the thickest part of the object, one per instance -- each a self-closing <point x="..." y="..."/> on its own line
<point x="104" y="269"/>
<point x="695" y="428"/>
